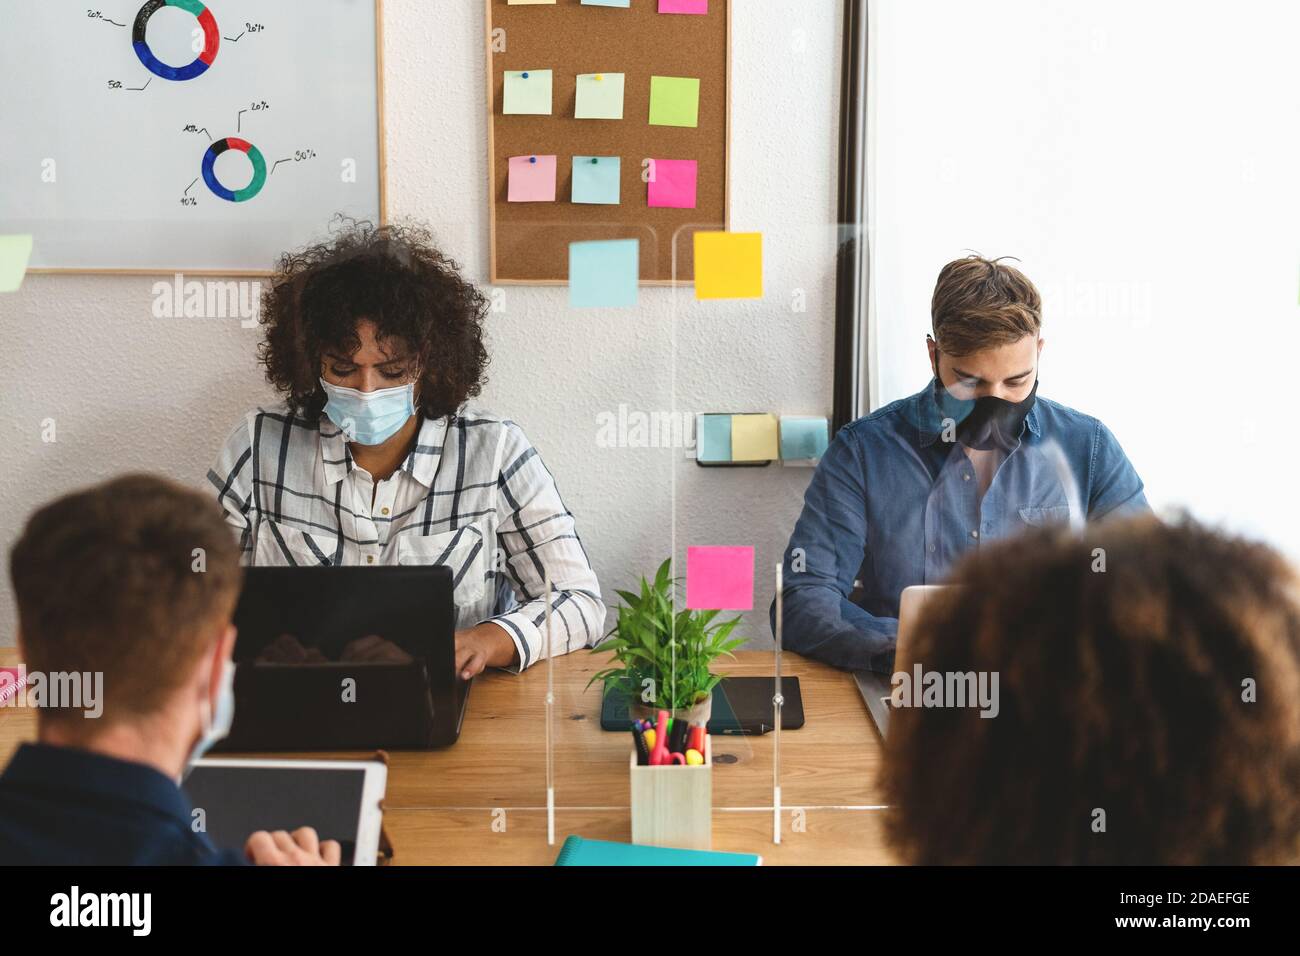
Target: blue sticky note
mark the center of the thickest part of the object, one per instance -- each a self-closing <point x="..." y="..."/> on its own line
<point x="596" y="179"/>
<point x="607" y="3"/>
<point x="803" y="438"/>
<point x="714" y="439"/>
<point x="604" y="274"/>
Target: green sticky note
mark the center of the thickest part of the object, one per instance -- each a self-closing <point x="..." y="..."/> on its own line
<point x="714" y="438"/>
<point x="596" y="179"/>
<point x="15" y="251"/>
<point x="599" y="96"/>
<point x="528" y="91"/>
<point x="674" y="101"/>
<point x="604" y="274"/>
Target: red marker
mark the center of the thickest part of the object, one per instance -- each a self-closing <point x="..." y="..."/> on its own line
<point x="659" y="755"/>
<point x="697" y="738"/>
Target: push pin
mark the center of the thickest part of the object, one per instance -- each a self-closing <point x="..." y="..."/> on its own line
<point x="599" y="77"/>
<point x="525" y="76"/>
<point x="532" y="159"/>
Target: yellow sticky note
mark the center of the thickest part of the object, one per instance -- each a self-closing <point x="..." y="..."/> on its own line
<point x="729" y="265"/>
<point x="754" y="438"/>
<point x="14" y="253"/>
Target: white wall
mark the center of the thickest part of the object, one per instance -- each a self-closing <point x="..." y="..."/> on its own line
<point x="1141" y="159"/>
<point x="128" y="391"/>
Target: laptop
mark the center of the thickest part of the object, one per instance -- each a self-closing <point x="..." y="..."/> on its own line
<point x="876" y="688"/>
<point x="346" y="658"/>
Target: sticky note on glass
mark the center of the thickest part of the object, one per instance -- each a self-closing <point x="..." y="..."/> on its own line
<point x="720" y="578"/>
<point x="599" y="96"/>
<point x="532" y="179"/>
<point x="604" y="274"/>
<point x="673" y="184"/>
<point x="596" y="179"/>
<point x="528" y="92"/>
<point x="15" y="252"/>
<point x="13" y="678"/>
<point x="607" y="3"/>
<point x="728" y="265"/>
<point x="803" y="438"/>
<point x="713" y="438"/>
<point x="674" y="101"/>
<point x="684" y="6"/>
<point x="754" y="438"/>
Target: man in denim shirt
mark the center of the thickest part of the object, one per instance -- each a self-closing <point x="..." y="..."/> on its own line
<point x="904" y="492"/>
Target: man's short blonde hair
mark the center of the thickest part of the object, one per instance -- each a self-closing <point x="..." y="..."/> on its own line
<point x="981" y="303"/>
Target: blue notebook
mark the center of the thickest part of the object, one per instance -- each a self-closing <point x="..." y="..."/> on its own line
<point x="579" y="852"/>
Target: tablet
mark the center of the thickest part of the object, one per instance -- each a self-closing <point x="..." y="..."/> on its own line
<point x="341" y="799"/>
<point x="741" y="706"/>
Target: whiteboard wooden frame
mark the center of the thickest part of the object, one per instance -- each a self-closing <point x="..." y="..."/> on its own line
<point x="383" y="185"/>
<point x="491" y="166"/>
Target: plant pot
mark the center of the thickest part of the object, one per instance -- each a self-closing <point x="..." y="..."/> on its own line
<point x="698" y="714"/>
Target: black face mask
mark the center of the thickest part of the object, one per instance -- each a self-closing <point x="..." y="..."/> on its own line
<point x="984" y="423"/>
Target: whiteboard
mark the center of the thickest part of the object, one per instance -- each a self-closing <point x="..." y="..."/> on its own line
<point x="187" y="135"/>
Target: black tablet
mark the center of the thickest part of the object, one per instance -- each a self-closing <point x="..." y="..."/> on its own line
<point x="340" y="799"/>
<point x="741" y="705"/>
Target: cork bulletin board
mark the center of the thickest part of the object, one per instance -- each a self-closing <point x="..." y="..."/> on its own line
<point x="530" y="240"/>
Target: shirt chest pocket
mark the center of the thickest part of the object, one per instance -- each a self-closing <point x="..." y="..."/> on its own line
<point x="1045" y="517"/>
<point x="464" y="550"/>
<point x="281" y="545"/>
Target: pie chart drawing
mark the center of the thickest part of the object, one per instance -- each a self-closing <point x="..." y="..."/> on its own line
<point x="211" y="40"/>
<point x="210" y="169"/>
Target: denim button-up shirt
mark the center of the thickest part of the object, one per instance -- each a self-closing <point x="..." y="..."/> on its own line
<point x="895" y="501"/>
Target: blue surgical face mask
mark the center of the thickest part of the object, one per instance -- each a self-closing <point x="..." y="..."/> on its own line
<point x="369" y="418"/>
<point x="216" y="724"/>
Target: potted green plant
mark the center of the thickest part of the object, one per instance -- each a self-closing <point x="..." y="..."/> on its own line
<point x="662" y="659"/>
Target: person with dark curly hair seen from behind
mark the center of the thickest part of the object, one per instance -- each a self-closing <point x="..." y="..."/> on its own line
<point x="1148" y="705"/>
<point x="374" y="457"/>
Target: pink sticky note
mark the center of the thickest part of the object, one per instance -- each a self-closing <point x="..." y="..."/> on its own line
<point x="720" y="578"/>
<point x="12" y="679"/>
<point x="683" y="6"/>
<point x="532" y="179"/>
<point x="674" y="183"/>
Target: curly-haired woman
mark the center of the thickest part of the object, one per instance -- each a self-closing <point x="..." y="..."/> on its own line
<point x="1148" y="705"/>
<point x="375" y="342"/>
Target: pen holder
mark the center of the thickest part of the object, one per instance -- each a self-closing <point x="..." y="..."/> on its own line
<point x="673" y="805"/>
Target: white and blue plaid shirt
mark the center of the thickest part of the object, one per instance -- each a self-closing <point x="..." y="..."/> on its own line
<point x="473" y="494"/>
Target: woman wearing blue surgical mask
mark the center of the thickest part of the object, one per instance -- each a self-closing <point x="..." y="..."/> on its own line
<point x="375" y="456"/>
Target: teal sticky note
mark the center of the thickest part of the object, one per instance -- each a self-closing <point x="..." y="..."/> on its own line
<point x="604" y="274"/>
<point x="15" y="251"/>
<point x="528" y="92"/>
<point x="607" y="3"/>
<point x="803" y="438"/>
<point x="596" y="179"/>
<point x="713" y="443"/>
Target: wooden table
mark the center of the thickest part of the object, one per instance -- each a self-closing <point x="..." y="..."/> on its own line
<point x="483" y="801"/>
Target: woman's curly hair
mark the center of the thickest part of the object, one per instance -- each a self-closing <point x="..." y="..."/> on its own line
<point x="392" y="275"/>
<point x="1147" y="670"/>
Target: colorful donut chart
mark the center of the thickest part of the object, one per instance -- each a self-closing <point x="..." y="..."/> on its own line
<point x="254" y="156"/>
<point x="211" y="40"/>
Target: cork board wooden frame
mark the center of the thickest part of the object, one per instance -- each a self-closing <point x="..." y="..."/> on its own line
<point x="529" y="242"/>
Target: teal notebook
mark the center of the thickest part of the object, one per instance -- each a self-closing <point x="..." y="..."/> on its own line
<point x="579" y="852"/>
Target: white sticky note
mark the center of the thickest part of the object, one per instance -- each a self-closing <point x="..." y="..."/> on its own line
<point x="528" y="92"/>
